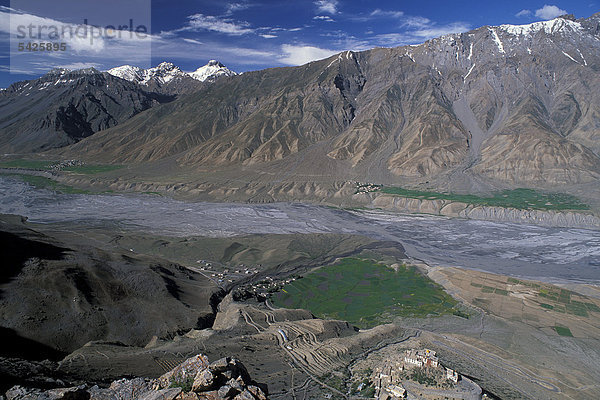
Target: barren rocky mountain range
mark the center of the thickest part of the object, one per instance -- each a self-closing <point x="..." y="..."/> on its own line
<point x="505" y="106"/>
<point x="511" y="104"/>
<point x="65" y="106"/>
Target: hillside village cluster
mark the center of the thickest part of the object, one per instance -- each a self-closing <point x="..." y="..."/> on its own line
<point x="59" y="166"/>
<point x="421" y="365"/>
<point x="223" y="275"/>
<point x="362" y="188"/>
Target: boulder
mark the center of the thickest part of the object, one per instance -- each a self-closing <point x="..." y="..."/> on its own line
<point x="236" y="384"/>
<point x="194" y="379"/>
<point x="227" y="391"/>
<point x="245" y="395"/>
<point x="71" y="393"/>
<point x="184" y="372"/>
<point x="163" y="394"/>
<point x="257" y="392"/>
<point x="21" y="393"/>
<point x="203" y="381"/>
<point x="221" y="365"/>
<point x="188" y="396"/>
<point x="212" y="395"/>
<point x="125" y="389"/>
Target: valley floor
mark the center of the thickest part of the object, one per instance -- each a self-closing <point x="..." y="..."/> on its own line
<point x="525" y="323"/>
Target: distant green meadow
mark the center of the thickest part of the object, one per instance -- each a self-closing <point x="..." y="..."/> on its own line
<point x="523" y="199"/>
<point x="365" y="293"/>
<point x="27" y="164"/>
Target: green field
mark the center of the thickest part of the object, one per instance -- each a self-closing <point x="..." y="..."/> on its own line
<point x="563" y="331"/>
<point x="559" y="300"/>
<point x="365" y="293"/>
<point x="523" y="199"/>
<point x="27" y="164"/>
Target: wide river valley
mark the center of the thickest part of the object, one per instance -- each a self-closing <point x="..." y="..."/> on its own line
<point x="530" y="251"/>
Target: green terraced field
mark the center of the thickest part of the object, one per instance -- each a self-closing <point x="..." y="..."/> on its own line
<point x="365" y="293"/>
<point x="523" y="199"/>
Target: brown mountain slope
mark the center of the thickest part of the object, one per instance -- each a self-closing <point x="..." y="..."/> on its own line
<point x="513" y="104"/>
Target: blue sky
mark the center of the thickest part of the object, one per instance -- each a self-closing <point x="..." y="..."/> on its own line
<point x="248" y="35"/>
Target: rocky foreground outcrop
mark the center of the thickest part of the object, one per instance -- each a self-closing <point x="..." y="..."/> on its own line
<point x="194" y="379"/>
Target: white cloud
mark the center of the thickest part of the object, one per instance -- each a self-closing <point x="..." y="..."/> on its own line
<point x="523" y="13"/>
<point x="549" y="12"/>
<point x="227" y="53"/>
<point x="298" y="55"/>
<point x="327" y="6"/>
<point x="233" y="7"/>
<point x="435" y="31"/>
<point x="420" y="35"/>
<point x="410" y="21"/>
<point x="268" y="36"/>
<point x="416" y="22"/>
<point x="193" y="41"/>
<point x="87" y="45"/>
<point x="343" y="41"/>
<point x="389" y="14"/>
<point x="16" y="23"/>
<point x="217" y="24"/>
<point x="325" y="18"/>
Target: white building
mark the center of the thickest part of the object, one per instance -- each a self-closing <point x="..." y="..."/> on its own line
<point x="421" y="357"/>
<point x="396" y="391"/>
<point x="451" y="375"/>
<point x="413" y="358"/>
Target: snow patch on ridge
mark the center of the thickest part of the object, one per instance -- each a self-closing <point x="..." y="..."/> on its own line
<point x="581" y="55"/>
<point x="550" y="27"/>
<point x="468" y="73"/>
<point x="497" y="40"/>
<point x="570" y="57"/>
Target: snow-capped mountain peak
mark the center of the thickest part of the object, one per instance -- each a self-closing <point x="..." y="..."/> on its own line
<point x="163" y="73"/>
<point x="160" y="74"/>
<point x="560" y="24"/>
<point x="166" y="72"/>
<point x="166" y="66"/>
<point x="128" y="72"/>
<point x="211" y="71"/>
